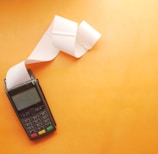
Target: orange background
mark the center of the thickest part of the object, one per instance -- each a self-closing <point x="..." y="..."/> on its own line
<point x="105" y="102"/>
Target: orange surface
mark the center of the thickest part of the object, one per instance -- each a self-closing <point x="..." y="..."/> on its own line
<point x="104" y="103"/>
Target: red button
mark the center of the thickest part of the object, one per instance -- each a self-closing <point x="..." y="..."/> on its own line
<point x="33" y="135"/>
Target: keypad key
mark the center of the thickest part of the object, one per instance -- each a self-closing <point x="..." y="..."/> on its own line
<point x="46" y="120"/>
<point x="47" y="124"/>
<point x="37" y="121"/>
<point x="45" y="117"/>
<point x="35" y="117"/>
<point x="38" y="125"/>
<point x="27" y="114"/>
<point x="41" y="107"/>
<point x="30" y="128"/>
<point x="32" y="131"/>
<point x="37" y="109"/>
<point x="42" y="132"/>
<point x="49" y="128"/>
<point x="40" y="128"/>
<point x="22" y="115"/>
<point x="43" y="113"/>
<point x="27" y="120"/>
<point x="28" y="124"/>
<point x="33" y="135"/>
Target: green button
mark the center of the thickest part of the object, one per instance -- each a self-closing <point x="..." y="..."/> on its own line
<point x="49" y="128"/>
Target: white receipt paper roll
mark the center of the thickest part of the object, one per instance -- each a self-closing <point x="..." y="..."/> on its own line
<point x="62" y="35"/>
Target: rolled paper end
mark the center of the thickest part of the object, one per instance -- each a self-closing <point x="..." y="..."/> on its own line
<point x="87" y="35"/>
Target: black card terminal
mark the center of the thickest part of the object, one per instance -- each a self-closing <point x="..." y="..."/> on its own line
<point x="31" y="108"/>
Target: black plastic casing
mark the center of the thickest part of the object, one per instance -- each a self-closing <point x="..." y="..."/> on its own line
<point x="36" y="118"/>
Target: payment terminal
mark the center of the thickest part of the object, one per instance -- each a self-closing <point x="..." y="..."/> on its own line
<point x="31" y="108"/>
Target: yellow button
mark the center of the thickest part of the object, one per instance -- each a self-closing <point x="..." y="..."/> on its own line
<point x="42" y="132"/>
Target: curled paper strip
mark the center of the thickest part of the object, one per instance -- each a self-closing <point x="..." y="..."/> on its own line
<point x="62" y="35"/>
